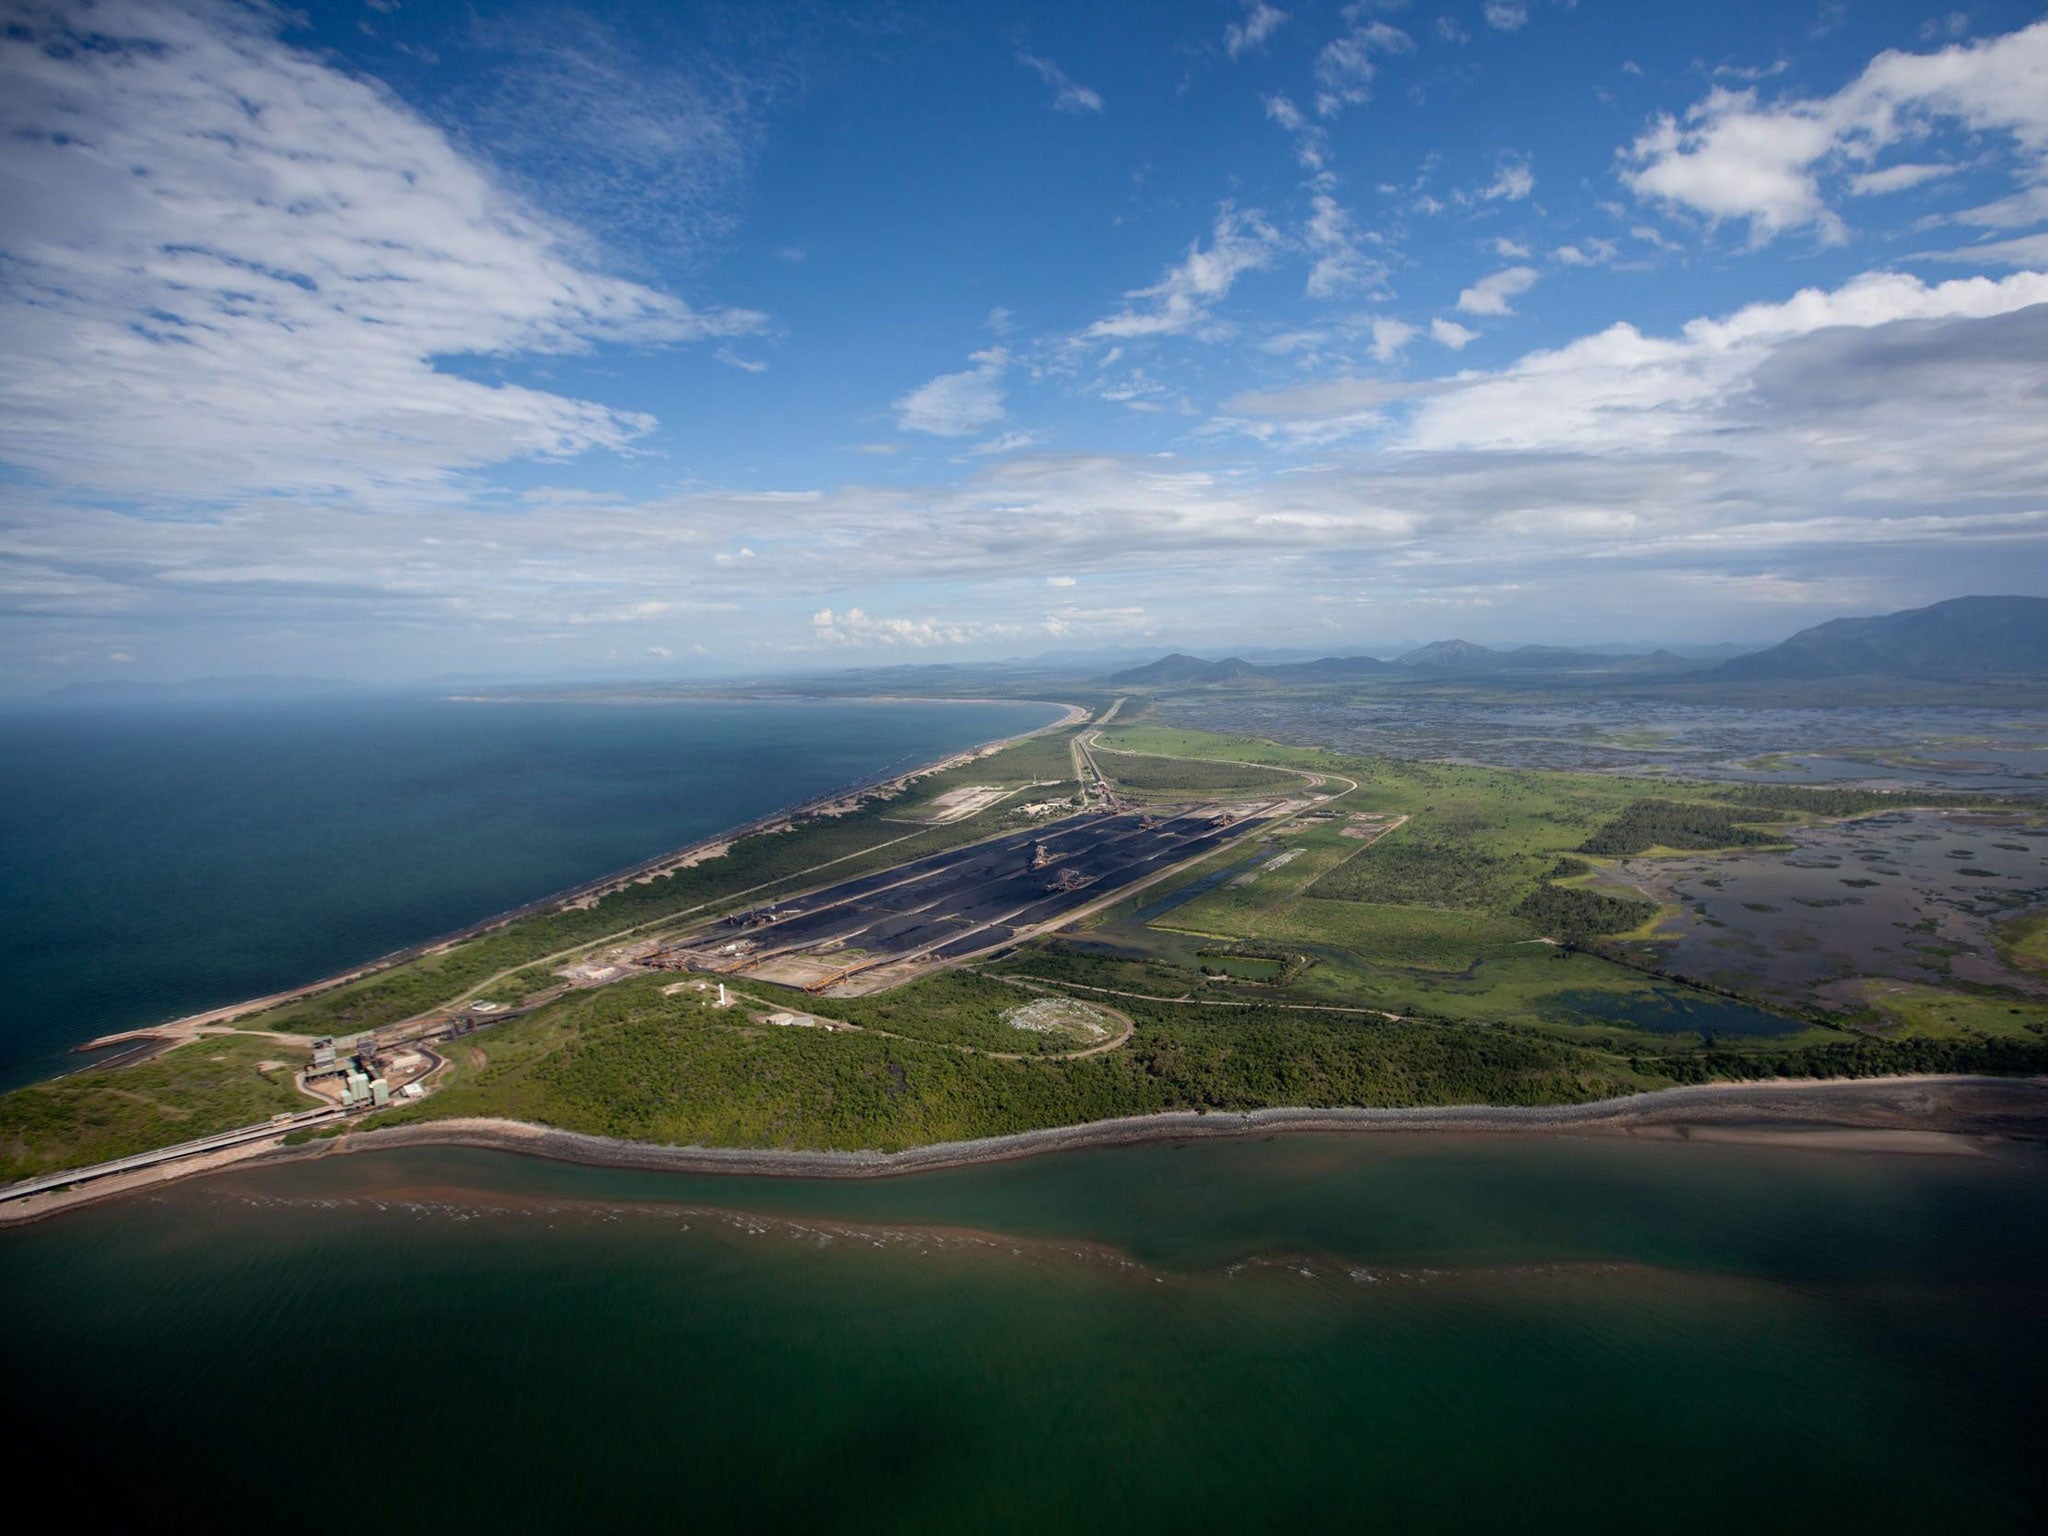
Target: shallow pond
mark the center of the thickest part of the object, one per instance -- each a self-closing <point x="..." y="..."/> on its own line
<point x="1905" y="894"/>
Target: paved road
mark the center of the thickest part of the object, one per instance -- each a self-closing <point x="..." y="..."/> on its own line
<point x="205" y="1144"/>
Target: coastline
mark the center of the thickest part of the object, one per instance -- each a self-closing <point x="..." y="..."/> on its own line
<point x="1927" y="1114"/>
<point x="703" y="848"/>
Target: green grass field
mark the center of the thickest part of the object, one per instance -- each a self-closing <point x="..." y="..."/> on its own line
<point x="2023" y="942"/>
<point x="1911" y="1010"/>
<point x="213" y="1084"/>
<point x="1173" y="776"/>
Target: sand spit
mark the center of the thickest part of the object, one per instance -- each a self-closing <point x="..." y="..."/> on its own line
<point x="834" y="803"/>
<point x="1924" y="1114"/>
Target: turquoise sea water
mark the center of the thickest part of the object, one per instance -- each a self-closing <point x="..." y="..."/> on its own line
<point x="1392" y="1333"/>
<point x="155" y="861"/>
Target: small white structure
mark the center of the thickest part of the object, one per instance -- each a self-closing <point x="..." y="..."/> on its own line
<point x="793" y="1020"/>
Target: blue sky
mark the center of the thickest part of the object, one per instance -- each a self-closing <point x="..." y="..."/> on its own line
<point x="392" y="340"/>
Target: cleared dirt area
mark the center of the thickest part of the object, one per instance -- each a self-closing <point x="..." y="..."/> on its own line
<point x="959" y="804"/>
<point x="1062" y="1016"/>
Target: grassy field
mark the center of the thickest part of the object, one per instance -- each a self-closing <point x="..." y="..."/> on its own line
<point x="2023" y="942"/>
<point x="213" y="1084"/>
<point x="1145" y="774"/>
<point x="1911" y="1010"/>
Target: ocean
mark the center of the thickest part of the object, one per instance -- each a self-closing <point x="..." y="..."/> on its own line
<point x="1400" y="1332"/>
<point x="160" y="860"/>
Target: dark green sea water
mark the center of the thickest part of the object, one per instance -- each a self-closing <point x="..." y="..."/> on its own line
<point x="1352" y="1333"/>
<point x="155" y="861"/>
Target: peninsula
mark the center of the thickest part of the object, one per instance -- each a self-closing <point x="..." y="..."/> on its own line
<point x="1108" y="921"/>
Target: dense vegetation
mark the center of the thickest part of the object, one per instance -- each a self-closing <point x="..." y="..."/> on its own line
<point x="214" y="1084"/>
<point x="1859" y="1058"/>
<point x="1647" y="824"/>
<point x="626" y="1061"/>
<point x="1576" y="915"/>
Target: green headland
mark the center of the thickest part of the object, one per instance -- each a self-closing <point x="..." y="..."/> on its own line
<point x="1406" y="933"/>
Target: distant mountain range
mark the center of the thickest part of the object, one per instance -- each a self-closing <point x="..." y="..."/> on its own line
<point x="1181" y="670"/>
<point x="1965" y="637"/>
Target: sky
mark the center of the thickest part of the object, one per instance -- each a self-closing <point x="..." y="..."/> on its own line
<point x="392" y="340"/>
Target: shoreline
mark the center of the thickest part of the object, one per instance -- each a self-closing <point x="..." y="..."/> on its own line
<point x="592" y="890"/>
<point x="1922" y="1114"/>
<point x="1926" y="1105"/>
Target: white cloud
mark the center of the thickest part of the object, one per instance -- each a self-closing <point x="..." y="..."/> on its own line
<point x="1341" y="263"/>
<point x="1589" y="253"/>
<point x="1514" y="181"/>
<point x="647" y="145"/>
<point x="1260" y="22"/>
<point x="1059" y="581"/>
<point x="1329" y="397"/>
<point x="2026" y="251"/>
<point x="957" y="404"/>
<point x="1509" y="250"/>
<point x="855" y="628"/>
<point x="1067" y="95"/>
<point x="1182" y="300"/>
<point x="661" y="652"/>
<point x="1506" y="15"/>
<point x="1389" y="337"/>
<point x="1886" y="427"/>
<point x="1347" y="66"/>
<point x="1451" y="334"/>
<point x="1735" y="157"/>
<point x="1311" y="143"/>
<point x="1896" y="178"/>
<point x="1009" y="442"/>
<point x="1620" y="390"/>
<point x="1490" y="295"/>
<point x="732" y="359"/>
<point x="229" y="270"/>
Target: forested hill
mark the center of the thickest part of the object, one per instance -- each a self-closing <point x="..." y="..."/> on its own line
<point x="1965" y="637"/>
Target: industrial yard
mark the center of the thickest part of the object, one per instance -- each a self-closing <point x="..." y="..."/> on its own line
<point x="881" y="929"/>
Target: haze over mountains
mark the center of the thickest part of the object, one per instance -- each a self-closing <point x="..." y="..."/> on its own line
<point x="1962" y="638"/>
